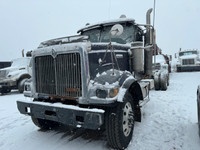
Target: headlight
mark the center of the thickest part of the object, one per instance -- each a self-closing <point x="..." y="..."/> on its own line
<point x="113" y="93"/>
<point x="108" y="93"/>
<point x="101" y="93"/>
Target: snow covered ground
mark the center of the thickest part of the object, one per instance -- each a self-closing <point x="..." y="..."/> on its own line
<point x="169" y="123"/>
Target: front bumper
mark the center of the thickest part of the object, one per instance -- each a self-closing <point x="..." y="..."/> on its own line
<point x="66" y="114"/>
<point x="7" y="84"/>
<point x="188" y="68"/>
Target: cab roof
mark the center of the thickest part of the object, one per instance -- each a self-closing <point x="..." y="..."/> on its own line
<point x="106" y="23"/>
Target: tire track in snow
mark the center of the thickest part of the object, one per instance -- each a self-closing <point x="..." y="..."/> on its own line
<point x="168" y="115"/>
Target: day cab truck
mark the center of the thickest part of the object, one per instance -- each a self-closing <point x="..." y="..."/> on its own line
<point x="14" y="77"/>
<point x="96" y="80"/>
<point x="188" y="60"/>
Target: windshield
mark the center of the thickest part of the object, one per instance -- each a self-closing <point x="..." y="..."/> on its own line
<point x="187" y="53"/>
<point x="20" y="62"/>
<point x="101" y="34"/>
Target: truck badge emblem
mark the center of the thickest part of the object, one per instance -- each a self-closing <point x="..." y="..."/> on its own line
<point x="53" y="53"/>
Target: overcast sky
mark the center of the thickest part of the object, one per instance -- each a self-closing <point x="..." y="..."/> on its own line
<point x="26" y="23"/>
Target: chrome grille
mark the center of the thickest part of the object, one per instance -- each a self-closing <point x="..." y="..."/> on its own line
<point x="188" y="61"/>
<point x="68" y="72"/>
<point x="60" y="76"/>
<point x="45" y="75"/>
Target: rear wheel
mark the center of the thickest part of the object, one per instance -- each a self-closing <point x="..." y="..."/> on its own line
<point x="168" y="80"/>
<point x="157" y="82"/>
<point x="163" y="84"/>
<point x="157" y="85"/>
<point x="44" y="124"/>
<point x="120" y="123"/>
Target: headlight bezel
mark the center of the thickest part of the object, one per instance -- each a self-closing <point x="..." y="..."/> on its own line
<point x="100" y="93"/>
<point x="107" y="93"/>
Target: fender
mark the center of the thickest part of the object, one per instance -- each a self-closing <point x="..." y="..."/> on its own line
<point x="129" y="84"/>
<point x="22" y="76"/>
<point x="123" y="80"/>
<point x="126" y="83"/>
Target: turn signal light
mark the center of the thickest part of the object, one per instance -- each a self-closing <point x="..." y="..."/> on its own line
<point x="113" y="92"/>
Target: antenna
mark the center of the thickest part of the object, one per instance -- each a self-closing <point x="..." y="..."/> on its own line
<point x="154" y="12"/>
<point x="109" y="8"/>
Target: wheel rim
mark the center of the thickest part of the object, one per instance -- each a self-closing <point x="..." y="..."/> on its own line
<point x="128" y="119"/>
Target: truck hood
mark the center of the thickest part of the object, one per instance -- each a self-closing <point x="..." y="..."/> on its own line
<point x="56" y="49"/>
<point x="11" y="71"/>
<point x="8" y="69"/>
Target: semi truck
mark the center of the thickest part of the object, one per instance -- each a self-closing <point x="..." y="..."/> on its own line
<point x="188" y="60"/>
<point x="14" y="77"/>
<point x="98" y="79"/>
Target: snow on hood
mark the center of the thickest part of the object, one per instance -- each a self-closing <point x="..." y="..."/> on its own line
<point x="107" y="77"/>
<point x="62" y="47"/>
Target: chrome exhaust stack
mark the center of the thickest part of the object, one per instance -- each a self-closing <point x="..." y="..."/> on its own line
<point x="148" y="52"/>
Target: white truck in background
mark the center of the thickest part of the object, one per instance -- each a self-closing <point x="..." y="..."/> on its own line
<point x="14" y="77"/>
<point x="188" y="60"/>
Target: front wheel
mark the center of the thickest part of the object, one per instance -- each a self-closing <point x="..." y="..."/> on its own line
<point x="44" y="124"/>
<point x="5" y="90"/>
<point x="21" y="85"/>
<point x="120" y="123"/>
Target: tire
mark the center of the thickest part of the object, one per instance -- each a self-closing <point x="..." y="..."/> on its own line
<point x="157" y="83"/>
<point x="163" y="85"/>
<point x="4" y="91"/>
<point x="198" y="112"/>
<point x="178" y="69"/>
<point x="21" y="85"/>
<point x="168" y="80"/>
<point x="44" y="124"/>
<point x="163" y="81"/>
<point x="199" y="119"/>
<point x="119" y="122"/>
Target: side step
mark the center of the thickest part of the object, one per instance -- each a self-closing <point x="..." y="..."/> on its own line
<point x="146" y="85"/>
<point x="143" y="102"/>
